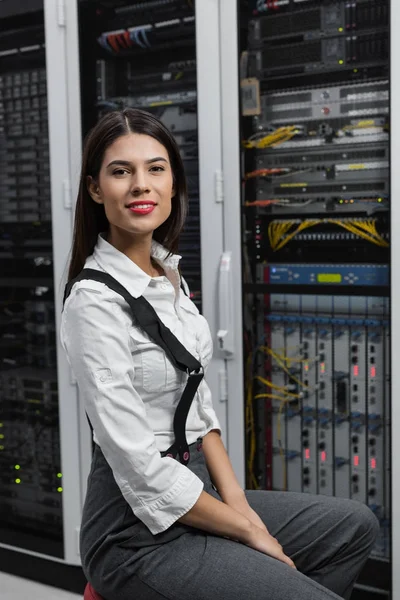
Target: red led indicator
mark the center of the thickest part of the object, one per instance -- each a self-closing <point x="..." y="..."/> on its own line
<point x="306" y="367"/>
<point x="323" y="456"/>
<point x="355" y="370"/>
<point x="356" y="460"/>
<point x="372" y="371"/>
<point x="373" y="463"/>
<point x="307" y="453"/>
<point x="322" y="366"/>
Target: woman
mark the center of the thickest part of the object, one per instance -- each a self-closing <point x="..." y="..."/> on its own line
<point x="154" y="528"/>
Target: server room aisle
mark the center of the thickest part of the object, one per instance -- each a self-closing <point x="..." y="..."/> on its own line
<point x="15" y="588"/>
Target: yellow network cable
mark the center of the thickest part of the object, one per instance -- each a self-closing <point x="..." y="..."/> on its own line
<point x="283" y="367"/>
<point x="279" y="388"/>
<point x="250" y="427"/>
<point x="273" y="139"/>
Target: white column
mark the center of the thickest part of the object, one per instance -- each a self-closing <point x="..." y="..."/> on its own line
<point x="210" y="166"/>
<point x="62" y="83"/>
<point x="232" y="224"/>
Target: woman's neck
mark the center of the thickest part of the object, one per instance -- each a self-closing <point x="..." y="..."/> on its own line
<point x="137" y="249"/>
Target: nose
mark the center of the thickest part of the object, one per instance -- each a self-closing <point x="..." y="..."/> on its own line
<point x="140" y="183"/>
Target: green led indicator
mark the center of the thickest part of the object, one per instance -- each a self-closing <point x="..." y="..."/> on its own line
<point x="59" y="489"/>
<point x="17" y="481"/>
<point x="1" y="436"/>
<point x="17" y="467"/>
<point x="355" y="70"/>
<point x="1" y="447"/>
<point x="1" y="424"/>
<point x="341" y="62"/>
<point x="341" y="201"/>
<point x="59" y="475"/>
<point x="340" y="29"/>
<point x="380" y="199"/>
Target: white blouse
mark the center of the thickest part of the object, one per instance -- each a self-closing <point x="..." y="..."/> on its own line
<point x="129" y="387"/>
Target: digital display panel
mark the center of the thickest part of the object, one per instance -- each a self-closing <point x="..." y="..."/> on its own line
<point x="329" y="277"/>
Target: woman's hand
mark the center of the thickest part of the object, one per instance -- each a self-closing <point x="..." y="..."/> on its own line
<point x="259" y="537"/>
<point x="261" y="540"/>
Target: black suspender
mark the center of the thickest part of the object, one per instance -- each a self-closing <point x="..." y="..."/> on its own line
<point x="147" y="319"/>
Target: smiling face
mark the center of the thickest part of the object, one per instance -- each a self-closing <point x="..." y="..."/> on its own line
<point x="135" y="185"/>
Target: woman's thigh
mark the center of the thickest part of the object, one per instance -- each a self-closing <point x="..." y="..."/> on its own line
<point x="204" y="567"/>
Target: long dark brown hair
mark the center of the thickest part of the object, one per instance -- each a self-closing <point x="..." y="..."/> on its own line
<point x="90" y="217"/>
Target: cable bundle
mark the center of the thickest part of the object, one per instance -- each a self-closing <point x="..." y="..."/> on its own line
<point x="117" y="41"/>
<point x="280" y="393"/>
<point x="273" y="139"/>
<point x="279" y="233"/>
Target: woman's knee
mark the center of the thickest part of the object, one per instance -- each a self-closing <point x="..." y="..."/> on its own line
<point x="366" y="525"/>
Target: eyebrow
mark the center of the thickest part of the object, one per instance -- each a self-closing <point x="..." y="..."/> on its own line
<point x="127" y="163"/>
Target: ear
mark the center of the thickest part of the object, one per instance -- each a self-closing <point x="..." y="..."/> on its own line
<point x="93" y="189"/>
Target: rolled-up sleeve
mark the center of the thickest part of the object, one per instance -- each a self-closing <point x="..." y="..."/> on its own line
<point x="96" y="340"/>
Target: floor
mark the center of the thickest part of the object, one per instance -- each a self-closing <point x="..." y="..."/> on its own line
<point x="15" y="588"/>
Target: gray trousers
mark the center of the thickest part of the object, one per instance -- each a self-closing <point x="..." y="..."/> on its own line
<point x="329" y="539"/>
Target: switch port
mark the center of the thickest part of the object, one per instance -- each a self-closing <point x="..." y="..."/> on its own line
<point x="341" y="396"/>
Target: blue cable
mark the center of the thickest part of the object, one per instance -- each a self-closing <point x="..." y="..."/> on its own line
<point x="134" y="36"/>
<point x="145" y="38"/>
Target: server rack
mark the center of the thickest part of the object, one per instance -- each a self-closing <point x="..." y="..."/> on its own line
<point x="315" y="298"/>
<point x="42" y="445"/>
